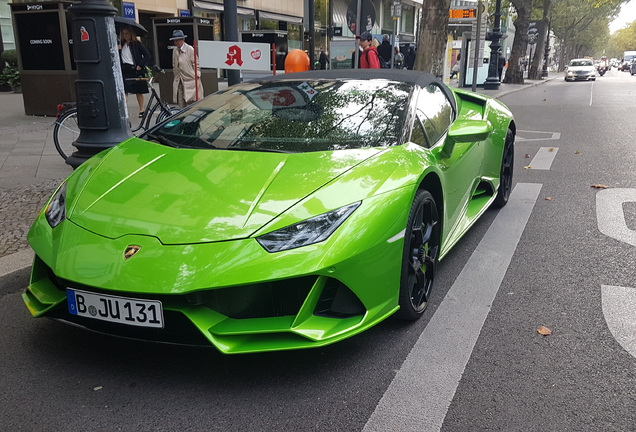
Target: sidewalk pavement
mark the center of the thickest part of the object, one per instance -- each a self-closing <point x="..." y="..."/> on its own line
<point x="31" y="168"/>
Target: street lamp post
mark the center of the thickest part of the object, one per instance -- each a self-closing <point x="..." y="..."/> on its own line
<point x="101" y="103"/>
<point x="492" y="82"/>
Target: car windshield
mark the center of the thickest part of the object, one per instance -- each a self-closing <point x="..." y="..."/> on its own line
<point x="292" y="116"/>
<point x="581" y="63"/>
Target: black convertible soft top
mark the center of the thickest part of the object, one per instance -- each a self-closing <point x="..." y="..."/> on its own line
<point x="421" y="79"/>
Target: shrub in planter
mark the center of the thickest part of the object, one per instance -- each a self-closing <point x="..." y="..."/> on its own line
<point x="10" y="57"/>
<point x="10" y="76"/>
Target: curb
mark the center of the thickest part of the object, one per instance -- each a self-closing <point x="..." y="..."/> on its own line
<point x="14" y="271"/>
<point x="534" y="84"/>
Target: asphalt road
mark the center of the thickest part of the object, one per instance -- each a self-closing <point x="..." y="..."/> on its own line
<point x="568" y="272"/>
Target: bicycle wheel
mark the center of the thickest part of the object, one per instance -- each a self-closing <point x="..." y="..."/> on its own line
<point x="165" y="114"/>
<point x="66" y="132"/>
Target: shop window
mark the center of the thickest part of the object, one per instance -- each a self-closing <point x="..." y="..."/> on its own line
<point x="248" y="24"/>
<point x="294" y="36"/>
<point x="387" y="19"/>
<point x="407" y="20"/>
<point x="269" y="24"/>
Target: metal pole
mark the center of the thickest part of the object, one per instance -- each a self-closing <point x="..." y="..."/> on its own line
<point x="231" y="35"/>
<point x="393" y="42"/>
<point x="311" y="10"/>
<point x="492" y="82"/>
<point x="476" y="43"/>
<point x="101" y="104"/>
<point x="358" y="23"/>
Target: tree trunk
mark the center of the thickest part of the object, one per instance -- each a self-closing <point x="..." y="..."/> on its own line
<point x="431" y="45"/>
<point x="514" y="73"/>
<point x="539" y="49"/>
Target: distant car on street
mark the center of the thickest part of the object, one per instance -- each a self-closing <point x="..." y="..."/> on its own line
<point x="628" y="56"/>
<point x="580" y="70"/>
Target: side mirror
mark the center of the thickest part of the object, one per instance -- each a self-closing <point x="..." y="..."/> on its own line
<point x="466" y="131"/>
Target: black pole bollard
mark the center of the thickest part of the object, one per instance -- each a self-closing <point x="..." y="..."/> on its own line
<point x="101" y="104"/>
<point x="492" y="82"/>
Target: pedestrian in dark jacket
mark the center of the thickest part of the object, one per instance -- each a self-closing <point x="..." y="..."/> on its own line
<point x="384" y="50"/>
<point x="410" y="58"/>
<point x="501" y="62"/>
<point x="323" y="60"/>
<point x="134" y="57"/>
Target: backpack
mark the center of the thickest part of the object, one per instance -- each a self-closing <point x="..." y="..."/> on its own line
<point x="383" y="63"/>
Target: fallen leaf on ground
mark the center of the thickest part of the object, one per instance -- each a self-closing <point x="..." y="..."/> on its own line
<point x="527" y="155"/>
<point x="98" y="388"/>
<point x="577" y="152"/>
<point x="544" y="100"/>
<point x="548" y="198"/>
<point x="600" y="186"/>
<point x="527" y="167"/>
<point x="544" y="331"/>
<point x="551" y="149"/>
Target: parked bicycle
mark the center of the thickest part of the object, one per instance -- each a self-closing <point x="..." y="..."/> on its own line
<point x="66" y="129"/>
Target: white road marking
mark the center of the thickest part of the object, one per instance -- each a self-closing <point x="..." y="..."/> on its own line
<point x="610" y="216"/>
<point x="544" y="158"/>
<point x="553" y="136"/>
<point x="422" y="390"/>
<point x="619" y="304"/>
<point x="591" y="93"/>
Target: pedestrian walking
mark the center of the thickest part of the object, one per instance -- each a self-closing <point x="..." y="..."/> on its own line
<point x="398" y="59"/>
<point x="323" y="60"/>
<point x="133" y="57"/>
<point x="369" y="58"/>
<point x="384" y="50"/>
<point x="409" y="60"/>
<point x="501" y="62"/>
<point x="185" y="90"/>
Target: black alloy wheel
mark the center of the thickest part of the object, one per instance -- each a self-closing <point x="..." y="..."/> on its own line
<point x="419" y="260"/>
<point x="507" y="167"/>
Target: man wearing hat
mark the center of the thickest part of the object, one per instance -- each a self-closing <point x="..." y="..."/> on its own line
<point x="369" y="57"/>
<point x="185" y="91"/>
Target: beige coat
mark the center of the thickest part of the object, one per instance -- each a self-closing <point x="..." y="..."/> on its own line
<point x="183" y="69"/>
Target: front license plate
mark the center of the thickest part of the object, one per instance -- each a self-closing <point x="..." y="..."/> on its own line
<point x="123" y="310"/>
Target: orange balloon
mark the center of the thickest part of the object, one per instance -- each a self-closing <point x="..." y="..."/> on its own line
<point x="296" y="61"/>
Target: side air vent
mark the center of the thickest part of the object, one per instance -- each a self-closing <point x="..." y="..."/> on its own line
<point x="338" y="301"/>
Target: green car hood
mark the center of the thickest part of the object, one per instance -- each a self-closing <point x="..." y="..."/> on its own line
<point x="184" y="196"/>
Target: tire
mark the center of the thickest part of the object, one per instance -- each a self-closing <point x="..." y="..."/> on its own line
<point x="419" y="257"/>
<point x="506" y="171"/>
<point x="65" y="132"/>
<point x="164" y="115"/>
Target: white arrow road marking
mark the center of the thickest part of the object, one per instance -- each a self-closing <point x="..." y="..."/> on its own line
<point x="544" y="158"/>
<point x="610" y="216"/>
<point x="548" y="136"/>
<point x="419" y="396"/>
<point x="619" y="310"/>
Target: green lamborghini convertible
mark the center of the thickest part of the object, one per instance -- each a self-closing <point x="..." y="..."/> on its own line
<point x="289" y="212"/>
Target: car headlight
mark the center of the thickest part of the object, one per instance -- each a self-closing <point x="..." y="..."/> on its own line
<point x="570" y="73"/>
<point x="307" y="232"/>
<point x="56" y="210"/>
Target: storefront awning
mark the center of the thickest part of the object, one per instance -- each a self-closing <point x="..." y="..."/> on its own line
<point x="280" y="17"/>
<point x="219" y="8"/>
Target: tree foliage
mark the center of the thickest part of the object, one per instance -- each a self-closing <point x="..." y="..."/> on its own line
<point x="582" y="26"/>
